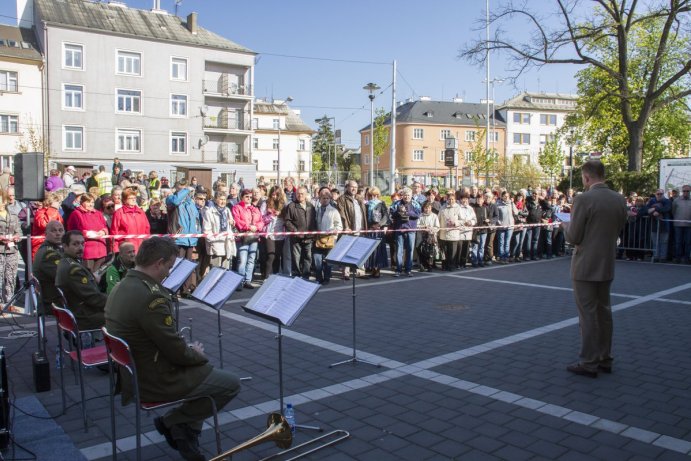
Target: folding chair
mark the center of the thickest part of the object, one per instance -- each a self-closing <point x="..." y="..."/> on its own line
<point x="83" y="357"/>
<point x="119" y="353"/>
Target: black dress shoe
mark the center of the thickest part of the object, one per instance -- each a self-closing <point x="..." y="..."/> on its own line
<point x="165" y="432"/>
<point x="248" y="285"/>
<point x="579" y="369"/>
<point x="187" y="442"/>
<point x="605" y="369"/>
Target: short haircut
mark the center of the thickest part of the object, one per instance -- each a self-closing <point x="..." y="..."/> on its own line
<point x="181" y="182"/>
<point x="124" y="245"/>
<point x="86" y="198"/>
<point x="154" y="249"/>
<point x="374" y="191"/>
<point x="220" y="194"/>
<point x="127" y="193"/>
<point x="67" y="236"/>
<point x="594" y="168"/>
<point x="101" y="168"/>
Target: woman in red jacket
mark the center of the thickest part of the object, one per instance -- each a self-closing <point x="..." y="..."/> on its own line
<point x="49" y="211"/>
<point x="93" y="226"/>
<point x="247" y="219"/>
<point x="130" y="219"/>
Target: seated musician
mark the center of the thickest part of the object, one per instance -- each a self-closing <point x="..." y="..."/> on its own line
<point x="46" y="263"/>
<point x="139" y="310"/>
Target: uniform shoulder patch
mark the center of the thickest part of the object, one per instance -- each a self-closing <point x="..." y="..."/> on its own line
<point x="74" y="270"/>
<point x="85" y="280"/>
<point x="152" y="287"/>
<point x="168" y="321"/>
<point x="157" y="302"/>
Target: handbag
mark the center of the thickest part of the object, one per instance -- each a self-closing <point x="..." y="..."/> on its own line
<point x="325" y="242"/>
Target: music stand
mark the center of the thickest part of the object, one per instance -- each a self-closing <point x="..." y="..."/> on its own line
<point x="280" y="300"/>
<point x="351" y="251"/>
<point x="218" y="285"/>
<point x="179" y="273"/>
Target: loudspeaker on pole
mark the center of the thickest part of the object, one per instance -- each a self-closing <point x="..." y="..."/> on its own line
<point x="29" y="176"/>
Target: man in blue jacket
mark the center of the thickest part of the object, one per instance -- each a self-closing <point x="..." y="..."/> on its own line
<point x="183" y="218"/>
<point x="404" y="214"/>
<point x="660" y="209"/>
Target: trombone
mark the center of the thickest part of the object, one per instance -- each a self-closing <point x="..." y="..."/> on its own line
<point x="278" y="431"/>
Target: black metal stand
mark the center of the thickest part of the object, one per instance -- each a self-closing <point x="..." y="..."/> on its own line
<point x="354" y="360"/>
<point x="280" y="381"/>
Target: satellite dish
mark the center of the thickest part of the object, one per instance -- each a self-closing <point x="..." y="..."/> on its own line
<point x="203" y="141"/>
<point x="204" y="110"/>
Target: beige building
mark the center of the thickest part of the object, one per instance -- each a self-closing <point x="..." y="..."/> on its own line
<point x="421" y="131"/>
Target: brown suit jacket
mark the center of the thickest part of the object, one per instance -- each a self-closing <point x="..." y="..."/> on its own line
<point x="346" y="209"/>
<point x="597" y="218"/>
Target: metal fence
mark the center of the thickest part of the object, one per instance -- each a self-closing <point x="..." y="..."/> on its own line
<point x="637" y="239"/>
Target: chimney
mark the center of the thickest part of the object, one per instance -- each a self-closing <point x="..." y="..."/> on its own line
<point x="192" y="22"/>
<point x="157" y="8"/>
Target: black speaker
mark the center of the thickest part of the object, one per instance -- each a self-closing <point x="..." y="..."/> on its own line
<point x="4" y="403"/>
<point x="41" y="367"/>
<point x="29" y="176"/>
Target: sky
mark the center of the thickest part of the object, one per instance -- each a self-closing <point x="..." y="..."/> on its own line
<point x="354" y="42"/>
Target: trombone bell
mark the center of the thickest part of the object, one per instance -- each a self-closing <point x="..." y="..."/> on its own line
<point x="277" y="431"/>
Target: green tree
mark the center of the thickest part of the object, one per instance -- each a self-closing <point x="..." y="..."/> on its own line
<point x="514" y="173"/>
<point x="641" y="50"/>
<point x="381" y="132"/>
<point x="482" y="161"/>
<point x="551" y="158"/>
<point x="322" y="146"/>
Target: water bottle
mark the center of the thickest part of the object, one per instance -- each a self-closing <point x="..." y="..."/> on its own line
<point x="58" y="358"/>
<point x="290" y="417"/>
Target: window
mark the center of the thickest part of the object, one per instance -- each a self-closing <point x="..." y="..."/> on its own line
<point x="470" y="135"/>
<point x="8" y="81"/>
<point x="548" y="119"/>
<point x="443" y="134"/>
<point x="73" y="137"/>
<point x="545" y="138"/>
<point x="301" y="165"/>
<point x="521" y="117"/>
<point x="275" y="144"/>
<point x="521" y="138"/>
<point x="468" y="155"/>
<point x="74" y="97"/>
<point x="276" y="124"/>
<point x="255" y="123"/>
<point x="275" y="165"/>
<point x="365" y="159"/>
<point x="178" y="69"/>
<point x="129" y="101"/>
<point x="178" y="143"/>
<point x="178" y="105"/>
<point x="255" y="143"/>
<point x="129" y="63"/>
<point x="9" y="124"/>
<point x="366" y="140"/>
<point x="74" y="56"/>
<point x="301" y="144"/>
<point x="494" y="136"/>
<point x="129" y="141"/>
<point x="418" y="133"/>
<point x="441" y="156"/>
<point x="418" y="155"/>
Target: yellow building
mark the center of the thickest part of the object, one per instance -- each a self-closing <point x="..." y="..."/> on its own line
<point x="421" y="131"/>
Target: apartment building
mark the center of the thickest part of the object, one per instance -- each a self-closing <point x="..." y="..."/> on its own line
<point x="157" y="91"/>
<point x="421" y="130"/>
<point x="21" y="107"/>
<point x="532" y="119"/>
<point x="282" y="142"/>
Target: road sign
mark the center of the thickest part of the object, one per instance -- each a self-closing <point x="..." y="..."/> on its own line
<point x="450" y="157"/>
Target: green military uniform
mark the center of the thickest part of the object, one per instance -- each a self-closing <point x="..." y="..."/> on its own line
<point x="84" y="298"/>
<point x="115" y="272"/>
<point x="139" y="310"/>
<point x="44" y="269"/>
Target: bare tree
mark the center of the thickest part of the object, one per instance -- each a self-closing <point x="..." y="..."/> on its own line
<point x="599" y="33"/>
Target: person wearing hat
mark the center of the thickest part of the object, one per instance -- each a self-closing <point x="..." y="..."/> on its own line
<point x="71" y="202"/>
<point x="68" y="176"/>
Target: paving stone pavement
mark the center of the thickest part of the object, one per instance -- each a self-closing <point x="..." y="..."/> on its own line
<point x="472" y="367"/>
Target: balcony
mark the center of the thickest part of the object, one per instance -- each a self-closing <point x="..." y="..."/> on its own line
<point x="227" y="86"/>
<point x="227" y="121"/>
<point x="230" y="152"/>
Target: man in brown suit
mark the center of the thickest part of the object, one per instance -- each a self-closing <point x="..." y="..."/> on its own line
<point x="597" y="218"/>
<point x="353" y="213"/>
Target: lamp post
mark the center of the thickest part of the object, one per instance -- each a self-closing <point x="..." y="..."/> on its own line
<point x="323" y="121"/>
<point x="371" y="87"/>
<point x="570" y="159"/>
<point x="278" y="153"/>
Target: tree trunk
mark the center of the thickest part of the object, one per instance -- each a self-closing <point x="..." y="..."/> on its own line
<point x="635" y="149"/>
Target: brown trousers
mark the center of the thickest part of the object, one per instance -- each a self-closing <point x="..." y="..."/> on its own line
<point x="595" y="316"/>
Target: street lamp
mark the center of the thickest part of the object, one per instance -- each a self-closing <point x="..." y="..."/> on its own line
<point x="371" y="87"/>
<point x="570" y="159"/>
<point x="278" y="153"/>
<point x="323" y="121"/>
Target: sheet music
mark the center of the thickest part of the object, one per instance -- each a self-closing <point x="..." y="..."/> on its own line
<point x="360" y="249"/>
<point x="177" y="277"/>
<point x="223" y="289"/>
<point x="208" y="283"/>
<point x="178" y="260"/>
<point x="339" y="250"/>
<point x="282" y="298"/>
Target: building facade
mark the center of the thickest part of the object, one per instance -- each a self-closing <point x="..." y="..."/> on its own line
<point x="421" y="131"/>
<point x="21" y="103"/>
<point x="157" y="91"/>
<point x="282" y="142"/>
<point x="532" y="120"/>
